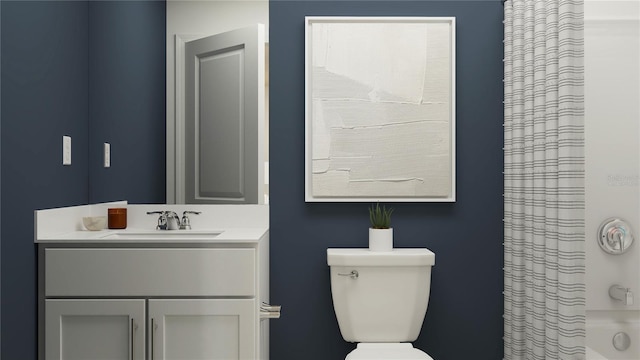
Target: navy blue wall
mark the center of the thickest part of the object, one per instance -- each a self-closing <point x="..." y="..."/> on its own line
<point x="464" y="319"/>
<point x="91" y="70"/>
<point x="127" y="79"/>
<point x="44" y="96"/>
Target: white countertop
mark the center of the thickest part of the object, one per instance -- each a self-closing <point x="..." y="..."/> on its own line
<point x="215" y="224"/>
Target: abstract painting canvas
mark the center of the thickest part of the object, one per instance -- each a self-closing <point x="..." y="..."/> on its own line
<point x="380" y="109"/>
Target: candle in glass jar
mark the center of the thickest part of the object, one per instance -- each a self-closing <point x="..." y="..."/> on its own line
<point x="117" y="218"/>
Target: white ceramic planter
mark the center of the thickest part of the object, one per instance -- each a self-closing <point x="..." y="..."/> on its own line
<point x="380" y="239"/>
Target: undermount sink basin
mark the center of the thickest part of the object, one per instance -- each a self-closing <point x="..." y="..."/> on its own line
<point x="163" y="234"/>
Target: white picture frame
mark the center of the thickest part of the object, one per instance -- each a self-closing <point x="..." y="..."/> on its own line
<point x="380" y="109"/>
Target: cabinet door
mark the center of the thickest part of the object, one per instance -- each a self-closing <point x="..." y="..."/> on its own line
<point x="220" y="329"/>
<point x="94" y="329"/>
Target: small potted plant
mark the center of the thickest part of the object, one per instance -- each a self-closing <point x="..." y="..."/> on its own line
<point x="380" y="232"/>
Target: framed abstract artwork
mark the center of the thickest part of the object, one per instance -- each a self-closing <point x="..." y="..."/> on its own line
<point x="380" y="109"/>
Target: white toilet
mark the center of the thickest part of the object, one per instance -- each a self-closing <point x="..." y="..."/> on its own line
<point x="380" y="300"/>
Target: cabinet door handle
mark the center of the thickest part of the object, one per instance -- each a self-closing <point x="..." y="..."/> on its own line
<point x="153" y="346"/>
<point x="133" y="338"/>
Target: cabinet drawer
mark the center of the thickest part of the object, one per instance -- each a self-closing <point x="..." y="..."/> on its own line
<point x="149" y="272"/>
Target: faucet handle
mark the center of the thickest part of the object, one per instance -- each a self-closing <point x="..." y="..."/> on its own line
<point x="628" y="298"/>
<point x="162" y="219"/>
<point x="185" y="224"/>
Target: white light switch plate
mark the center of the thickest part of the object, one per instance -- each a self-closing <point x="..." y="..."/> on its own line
<point x="66" y="150"/>
<point x="107" y="155"/>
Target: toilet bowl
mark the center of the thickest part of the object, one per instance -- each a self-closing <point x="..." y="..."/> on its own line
<point x="380" y="300"/>
<point x="387" y="351"/>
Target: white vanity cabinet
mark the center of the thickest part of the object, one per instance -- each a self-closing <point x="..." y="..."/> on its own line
<point x="145" y="294"/>
<point x="216" y="329"/>
<point x="153" y="301"/>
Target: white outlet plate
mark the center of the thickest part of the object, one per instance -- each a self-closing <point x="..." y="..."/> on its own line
<point x="66" y="150"/>
<point x="107" y="155"/>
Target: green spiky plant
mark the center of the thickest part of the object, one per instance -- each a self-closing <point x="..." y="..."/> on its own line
<point x="380" y="217"/>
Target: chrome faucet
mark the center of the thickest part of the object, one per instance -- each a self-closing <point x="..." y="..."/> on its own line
<point x="169" y="220"/>
<point x="620" y="293"/>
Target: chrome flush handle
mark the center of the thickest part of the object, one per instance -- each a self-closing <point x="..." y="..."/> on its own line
<point x="353" y="274"/>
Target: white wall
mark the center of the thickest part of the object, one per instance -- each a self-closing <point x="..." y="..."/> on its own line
<point x="196" y="19"/>
<point x="612" y="95"/>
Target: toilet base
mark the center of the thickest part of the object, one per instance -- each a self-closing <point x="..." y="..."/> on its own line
<point x="387" y="351"/>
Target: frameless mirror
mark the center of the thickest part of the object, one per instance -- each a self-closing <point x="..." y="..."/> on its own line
<point x="217" y="96"/>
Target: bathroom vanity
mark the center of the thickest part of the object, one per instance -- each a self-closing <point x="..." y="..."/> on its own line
<point x="141" y="293"/>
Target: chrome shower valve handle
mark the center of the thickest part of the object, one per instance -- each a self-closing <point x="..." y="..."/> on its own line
<point x="615" y="236"/>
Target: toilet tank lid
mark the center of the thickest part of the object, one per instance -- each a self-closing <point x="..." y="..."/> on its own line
<point x="366" y="257"/>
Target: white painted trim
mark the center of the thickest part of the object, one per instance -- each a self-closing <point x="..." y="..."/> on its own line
<point x="177" y="136"/>
<point x="307" y="108"/>
<point x="382" y="19"/>
<point x="453" y="110"/>
<point x="262" y="134"/>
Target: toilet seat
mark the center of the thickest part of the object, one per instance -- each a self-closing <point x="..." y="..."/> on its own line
<point x="387" y="351"/>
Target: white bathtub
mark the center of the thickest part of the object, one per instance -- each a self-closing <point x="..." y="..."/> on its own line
<point x="601" y="328"/>
<point x="594" y="355"/>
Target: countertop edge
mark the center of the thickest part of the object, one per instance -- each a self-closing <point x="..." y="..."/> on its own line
<point x="230" y="235"/>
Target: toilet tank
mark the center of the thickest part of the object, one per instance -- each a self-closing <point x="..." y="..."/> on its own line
<point x="387" y="300"/>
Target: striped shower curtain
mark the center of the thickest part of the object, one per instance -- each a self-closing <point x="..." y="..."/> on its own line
<point x="544" y="258"/>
